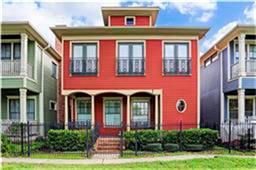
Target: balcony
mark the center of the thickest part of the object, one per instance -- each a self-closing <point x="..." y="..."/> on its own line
<point x="177" y="66"/>
<point x="84" y="66"/>
<point x="13" y="68"/>
<point x="132" y="66"/>
<point x="250" y="68"/>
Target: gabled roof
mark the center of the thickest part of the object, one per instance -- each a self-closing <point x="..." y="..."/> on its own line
<point x="60" y="31"/>
<point x="129" y="11"/>
<point x="18" y="27"/>
<point x="247" y="29"/>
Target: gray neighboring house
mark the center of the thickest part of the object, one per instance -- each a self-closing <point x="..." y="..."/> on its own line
<point x="29" y="75"/>
<point x="228" y="78"/>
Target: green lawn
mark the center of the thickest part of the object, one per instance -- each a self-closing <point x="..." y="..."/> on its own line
<point x="214" y="163"/>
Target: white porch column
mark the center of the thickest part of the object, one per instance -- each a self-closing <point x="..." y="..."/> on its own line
<point x="66" y="113"/>
<point x="156" y="112"/>
<point x="128" y="117"/>
<point x="93" y="110"/>
<point x="241" y="45"/>
<point x="241" y="105"/>
<point x="23" y="105"/>
<point x="24" y="54"/>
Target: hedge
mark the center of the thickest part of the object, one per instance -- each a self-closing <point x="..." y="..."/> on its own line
<point x="67" y="140"/>
<point x="205" y="137"/>
<point x="154" y="147"/>
<point x="171" y="147"/>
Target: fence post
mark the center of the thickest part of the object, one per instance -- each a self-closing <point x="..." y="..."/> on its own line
<point x="22" y="141"/>
<point x="229" y="137"/>
<point x="136" y="140"/>
<point x="28" y="131"/>
<point x="122" y="143"/>
<point x="180" y="136"/>
<point x="249" y="138"/>
<point x="87" y="140"/>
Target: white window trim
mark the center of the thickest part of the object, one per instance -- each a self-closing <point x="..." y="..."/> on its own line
<point x="104" y="114"/>
<point x="176" y="106"/>
<point x="18" y="97"/>
<point x="135" y="99"/>
<point x="87" y="99"/>
<point x="236" y="97"/>
<point x="125" y="20"/>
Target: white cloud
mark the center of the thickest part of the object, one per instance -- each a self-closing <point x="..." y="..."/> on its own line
<point x="250" y="13"/>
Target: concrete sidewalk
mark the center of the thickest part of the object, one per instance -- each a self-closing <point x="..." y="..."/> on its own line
<point x="112" y="161"/>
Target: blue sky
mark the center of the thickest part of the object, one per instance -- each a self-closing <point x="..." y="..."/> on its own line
<point x="220" y="16"/>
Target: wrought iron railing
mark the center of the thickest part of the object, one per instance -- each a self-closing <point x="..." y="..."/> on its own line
<point x="84" y="66"/>
<point x="132" y="66"/>
<point x="177" y="66"/>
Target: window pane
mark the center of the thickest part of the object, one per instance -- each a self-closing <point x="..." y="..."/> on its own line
<point x="248" y="107"/>
<point x="54" y="70"/>
<point x="233" y="108"/>
<point x="252" y="53"/>
<point x="16" y="51"/>
<point x="31" y="109"/>
<point x="83" y="110"/>
<point x="169" y="50"/>
<point x="137" y="51"/>
<point x="91" y="51"/>
<point x="77" y="58"/>
<point x="113" y="112"/>
<point x="77" y="51"/>
<point x="5" y="51"/>
<point x="182" y="51"/>
<point x="140" y="112"/>
<point x="129" y="21"/>
<point x="14" y="109"/>
<point x="123" y="50"/>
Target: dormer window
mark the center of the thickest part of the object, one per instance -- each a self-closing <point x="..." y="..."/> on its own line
<point x="129" y="21"/>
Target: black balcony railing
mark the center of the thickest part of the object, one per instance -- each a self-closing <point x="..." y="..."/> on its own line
<point x="133" y="66"/>
<point x="84" y="66"/>
<point x="177" y="66"/>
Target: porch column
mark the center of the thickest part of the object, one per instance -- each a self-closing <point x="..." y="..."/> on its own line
<point x="23" y="105"/>
<point x="23" y="54"/>
<point x="93" y="111"/>
<point x="241" y="45"/>
<point x="66" y="113"/>
<point x="241" y="105"/>
<point x="156" y="112"/>
<point x="128" y="118"/>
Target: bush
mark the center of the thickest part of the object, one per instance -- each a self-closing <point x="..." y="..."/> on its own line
<point x="171" y="147"/>
<point x="193" y="147"/>
<point x="154" y="147"/>
<point x="6" y="146"/>
<point x="67" y="140"/>
<point x="171" y="136"/>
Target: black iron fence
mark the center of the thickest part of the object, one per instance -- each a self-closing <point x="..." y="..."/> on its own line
<point x="84" y="140"/>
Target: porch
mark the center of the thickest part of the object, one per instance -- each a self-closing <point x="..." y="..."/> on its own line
<point x="111" y="110"/>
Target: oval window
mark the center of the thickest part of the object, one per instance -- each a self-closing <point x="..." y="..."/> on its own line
<point x="181" y="105"/>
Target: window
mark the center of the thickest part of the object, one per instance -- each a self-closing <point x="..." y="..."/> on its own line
<point x="130" y="59"/>
<point x="83" y="110"/>
<point x="52" y="105"/>
<point x="181" y="106"/>
<point x="16" y="51"/>
<point x="6" y="51"/>
<point x="112" y="111"/>
<point x="14" y="109"/>
<point x="140" y="112"/>
<point x="54" y="70"/>
<point x="176" y="58"/>
<point x="129" y="21"/>
<point x="30" y="109"/>
<point x="248" y="107"/>
<point x="84" y="59"/>
<point x="252" y="52"/>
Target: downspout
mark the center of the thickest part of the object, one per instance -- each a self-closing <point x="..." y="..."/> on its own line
<point x="41" y="95"/>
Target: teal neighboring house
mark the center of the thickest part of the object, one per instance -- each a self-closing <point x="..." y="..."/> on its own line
<point x="29" y="73"/>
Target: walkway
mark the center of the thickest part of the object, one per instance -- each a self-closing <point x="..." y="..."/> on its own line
<point x="112" y="161"/>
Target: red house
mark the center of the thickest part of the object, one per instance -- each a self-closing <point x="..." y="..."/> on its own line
<point x="129" y="72"/>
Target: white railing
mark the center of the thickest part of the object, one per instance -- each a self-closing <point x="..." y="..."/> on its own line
<point x="234" y="70"/>
<point x="13" y="68"/>
<point x="250" y="66"/>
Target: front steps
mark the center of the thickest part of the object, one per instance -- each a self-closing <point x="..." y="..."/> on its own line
<point x="105" y="145"/>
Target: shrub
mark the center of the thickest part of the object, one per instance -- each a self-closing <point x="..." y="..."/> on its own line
<point x="6" y="145"/>
<point x="67" y="140"/>
<point x="193" y="147"/>
<point x="171" y="136"/>
<point x="171" y="147"/>
<point x="154" y="147"/>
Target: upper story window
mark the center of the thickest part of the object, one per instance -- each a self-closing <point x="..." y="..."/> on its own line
<point x="84" y="59"/>
<point x="252" y="52"/>
<point x="10" y="51"/>
<point x="130" y="59"/>
<point x="129" y="21"/>
<point x="176" y="59"/>
<point x="54" y="70"/>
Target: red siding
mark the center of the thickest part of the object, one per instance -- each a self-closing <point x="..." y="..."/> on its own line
<point x="120" y="20"/>
<point x="174" y="87"/>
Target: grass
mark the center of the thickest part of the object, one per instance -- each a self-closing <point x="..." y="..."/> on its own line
<point x="53" y="155"/>
<point x="209" y="164"/>
<point x="215" y="151"/>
